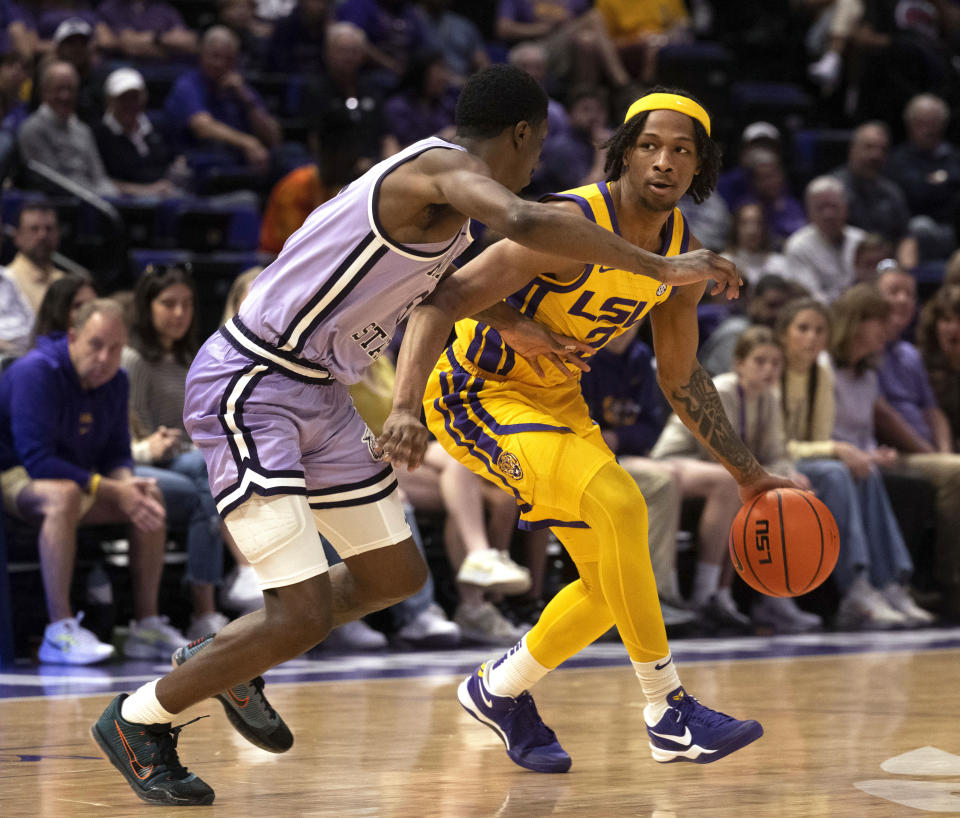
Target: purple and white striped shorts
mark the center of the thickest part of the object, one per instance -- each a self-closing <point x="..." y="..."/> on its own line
<point x="266" y="431"/>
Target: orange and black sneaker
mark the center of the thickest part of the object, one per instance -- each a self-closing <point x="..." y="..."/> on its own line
<point x="246" y="706"/>
<point x="146" y="754"/>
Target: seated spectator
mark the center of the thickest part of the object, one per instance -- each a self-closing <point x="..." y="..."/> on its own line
<point x="135" y="155"/>
<point x="734" y="183"/>
<point x="37" y="238"/>
<point x="291" y="200"/>
<point x="298" y="40"/>
<point x="875" y="203"/>
<point x="162" y="344"/>
<point x="65" y="455"/>
<point x="874" y="559"/>
<point x="477" y="542"/>
<point x="574" y="156"/>
<point x="395" y="33"/>
<point x="751" y="248"/>
<point x="640" y="30"/>
<point x="622" y="393"/>
<point x="423" y="103"/>
<point x="143" y="30"/>
<point x="860" y="318"/>
<point x="346" y="123"/>
<point x="212" y="106"/>
<point x="927" y="168"/>
<point x="751" y="400"/>
<point x="908" y="418"/>
<point x="531" y="57"/>
<point x="764" y="300"/>
<point x="460" y="40"/>
<point x="74" y="43"/>
<point x="938" y="338"/>
<point x="578" y="45"/>
<point x="820" y="255"/>
<point x="61" y="303"/>
<point x="55" y="137"/>
<point x="767" y="186"/>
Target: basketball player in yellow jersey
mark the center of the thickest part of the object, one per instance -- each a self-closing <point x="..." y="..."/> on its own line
<point x="524" y="425"/>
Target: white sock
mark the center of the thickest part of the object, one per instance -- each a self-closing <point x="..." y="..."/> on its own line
<point x="657" y="679"/>
<point x="142" y="707"/>
<point x="705" y="582"/>
<point x="725" y="595"/>
<point x="514" y="672"/>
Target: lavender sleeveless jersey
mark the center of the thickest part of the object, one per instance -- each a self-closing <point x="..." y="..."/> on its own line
<point x="340" y="286"/>
<point x="266" y="398"/>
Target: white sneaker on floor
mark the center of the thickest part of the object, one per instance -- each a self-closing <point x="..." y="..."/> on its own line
<point x="241" y="592"/>
<point x="430" y="628"/>
<point x="898" y="597"/>
<point x="784" y="615"/>
<point x="66" y="643"/>
<point x="675" y="613"/>
<point x="205" y="625"/>
<point x="153" y="637"/>
<point x="493" y="570"/>
<point x="356" y="635"/>
<point x="486" y="625"/>
<point x="865" y="608"/>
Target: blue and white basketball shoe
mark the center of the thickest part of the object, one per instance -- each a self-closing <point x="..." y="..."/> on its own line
<point x="688" y="731"/>
<point x="529" y="742"/>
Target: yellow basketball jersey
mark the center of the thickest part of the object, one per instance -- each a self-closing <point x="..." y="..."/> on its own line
<point x="596" y="306"/>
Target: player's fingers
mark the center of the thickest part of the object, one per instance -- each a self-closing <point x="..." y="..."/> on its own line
<point x="572" y="344"/>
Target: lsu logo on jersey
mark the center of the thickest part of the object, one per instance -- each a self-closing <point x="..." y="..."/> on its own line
<point x="510" y="466"/>
<point x="661" y="290"/>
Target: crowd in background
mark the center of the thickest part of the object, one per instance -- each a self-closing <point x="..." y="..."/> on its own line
<point x="839" y="201"/>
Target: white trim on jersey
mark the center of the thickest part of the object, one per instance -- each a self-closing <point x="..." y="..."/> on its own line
<point x="263" y="351"/>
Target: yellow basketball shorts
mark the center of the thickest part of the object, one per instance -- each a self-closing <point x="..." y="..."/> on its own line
<point x="538" y="444"/>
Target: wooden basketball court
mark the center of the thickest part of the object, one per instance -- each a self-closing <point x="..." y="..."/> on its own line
<point x="855" y="725"/>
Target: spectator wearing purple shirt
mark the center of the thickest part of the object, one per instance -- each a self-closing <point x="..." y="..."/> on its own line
<point x="298" y="40"/>
<point x="395" y="32"/>
<point x="909" y="417"/>
<point x="213" y="105"/>
<point x="423" y="105"/>
<point x="143" y="29"/>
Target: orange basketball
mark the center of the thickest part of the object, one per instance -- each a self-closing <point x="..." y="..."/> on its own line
<point x="784" y="542"/>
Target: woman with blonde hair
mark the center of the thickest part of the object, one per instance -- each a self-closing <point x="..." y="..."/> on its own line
<point x="844" y="476"/>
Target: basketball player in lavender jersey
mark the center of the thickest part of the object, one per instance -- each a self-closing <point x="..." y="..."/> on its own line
<point x="288" y="455"/>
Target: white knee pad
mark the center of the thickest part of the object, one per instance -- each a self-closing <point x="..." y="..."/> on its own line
<point x="278" y="536"/>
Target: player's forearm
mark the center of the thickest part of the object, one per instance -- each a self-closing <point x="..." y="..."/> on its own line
<point x="698" y="405"/>
<point x="573" y="237"/>
<point x="427" y="331"/>
<point x="500" y="316"/>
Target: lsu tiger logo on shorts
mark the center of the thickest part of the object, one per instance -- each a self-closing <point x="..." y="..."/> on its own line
<point x="510" y="466"/>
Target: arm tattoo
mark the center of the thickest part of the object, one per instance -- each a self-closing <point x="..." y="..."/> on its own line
<point x="698" y="406"/>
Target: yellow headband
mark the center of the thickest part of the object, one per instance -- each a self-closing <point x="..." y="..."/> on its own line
<point x="670" y="102"/>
